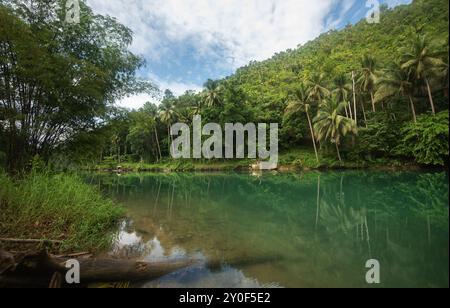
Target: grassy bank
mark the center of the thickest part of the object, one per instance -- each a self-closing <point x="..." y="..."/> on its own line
<point x="56" y="207"/>
<point x="295" y="159"/>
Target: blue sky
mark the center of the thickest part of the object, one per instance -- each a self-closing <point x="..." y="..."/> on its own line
<point x="185" y="42"/>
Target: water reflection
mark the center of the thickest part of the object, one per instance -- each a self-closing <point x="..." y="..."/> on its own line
<point x="292" y="230"/>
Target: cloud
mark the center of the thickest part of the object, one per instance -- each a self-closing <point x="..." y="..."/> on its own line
<point x="235" y="31"/>
<point x="178" y="88"/>
<point x="136" y="101"/>
<point x="211" y="38"/>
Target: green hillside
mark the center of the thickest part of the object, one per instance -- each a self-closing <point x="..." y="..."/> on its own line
<point x="267" y="84"/>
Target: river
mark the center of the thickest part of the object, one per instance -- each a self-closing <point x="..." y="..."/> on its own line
<point x="286" y="230"/>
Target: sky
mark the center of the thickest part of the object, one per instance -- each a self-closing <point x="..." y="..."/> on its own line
<point x="186" y="42"/>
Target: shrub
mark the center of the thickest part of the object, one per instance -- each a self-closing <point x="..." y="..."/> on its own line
<point x="427" y="140"/>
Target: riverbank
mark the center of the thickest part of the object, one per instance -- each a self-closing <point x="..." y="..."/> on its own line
<point x="59" y="210"/>
<point x="293" y="160"/>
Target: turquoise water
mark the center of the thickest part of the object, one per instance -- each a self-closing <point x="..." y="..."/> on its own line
<point x="287" y="230"/>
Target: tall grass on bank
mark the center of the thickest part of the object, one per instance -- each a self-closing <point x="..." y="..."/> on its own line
<point x="57" y="207"/>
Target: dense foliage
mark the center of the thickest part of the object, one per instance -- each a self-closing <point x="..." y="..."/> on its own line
<point x="427" y="141"/>
<point x="57" y="80"/>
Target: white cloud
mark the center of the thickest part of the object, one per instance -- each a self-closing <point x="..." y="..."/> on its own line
<point x="393" y="3"/>
<point x="178" y="88"/>
<point x="136" y="101"/>
<point x="240" y="31"/>
<point x="224" y="33"/>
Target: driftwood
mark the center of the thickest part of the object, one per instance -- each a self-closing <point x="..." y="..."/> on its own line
<point x="43" y="270"/>
<point x="110" y="270"/>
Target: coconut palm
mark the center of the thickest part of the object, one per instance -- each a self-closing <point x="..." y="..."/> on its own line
<point x="443" y="73"/>
<point x="331" y="125"/>
<point x="300" y="103"/>
<point x="317" y="89"/>
<point x="167" y="116"/>
<point x="213" y="93"/>
<point x="342" y="91"/>
<point x="368" y="77"/>
<point x="396" y="81"/>
<point x="423" y="62"/>
<point x="152" y="111"/>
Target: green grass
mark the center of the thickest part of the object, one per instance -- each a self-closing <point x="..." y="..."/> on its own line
<point x="57" y="207"/>
<point x="179" y="165"/>
<point x="292" y="159"/>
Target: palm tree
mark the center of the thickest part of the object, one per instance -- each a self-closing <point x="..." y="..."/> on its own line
<point x="152" y="110"/>
<point x="396" y="81"/>
<point x="317" y="89"/>
<point x="300" y="103"/>
<point x="331" y="126"/>
<point x="368" y="77"/>
<point x="422" y="62"/>
<point x="167" y="115"/>
<point x="342" y="91"/>
<point x="213" y="93"/>
<point x="443" y="73"/>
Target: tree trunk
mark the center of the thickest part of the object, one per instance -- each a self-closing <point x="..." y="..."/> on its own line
<point x="39" y="269"/>
<point x="373" y="102"/>
<point x="354" y="99"/>
<point x="346" y="112"/>
<point x="157" y="143"/>
<point x="313" y="137"/>
<point x="168" y="138"/>
<point x="364" y="113"/>
<point x="350" y="109"/>
<point x="430" y="95"/>
<point x="118" y="151"/>
<point x="338" y="152"/>
<point x="413" y="109"/>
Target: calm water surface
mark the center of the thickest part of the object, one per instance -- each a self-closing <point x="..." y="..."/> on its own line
<point x="287" y="230"/>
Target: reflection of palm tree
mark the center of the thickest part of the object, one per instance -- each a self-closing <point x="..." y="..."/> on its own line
<point x="318" y="201"/>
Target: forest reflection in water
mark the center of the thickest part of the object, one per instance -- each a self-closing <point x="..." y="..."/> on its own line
<point x="288" y="230"/>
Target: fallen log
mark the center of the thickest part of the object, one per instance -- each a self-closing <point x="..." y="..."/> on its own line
<point x="41" y="269"/>
<point x="110" y="270"/>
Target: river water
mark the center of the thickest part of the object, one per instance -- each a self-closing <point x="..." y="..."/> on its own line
<point x="286" y="230"/>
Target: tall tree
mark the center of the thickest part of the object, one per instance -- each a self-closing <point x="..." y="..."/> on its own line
<point x="58" y="79"/>
<point x="397" y="81"/>
<point x="422" y="61"/>
<point x="213" y="93"/>
<point x="368" y="77"/>
<point x="317" y="90"/>
<point x="342" y="91"/>
<point x="167" y="116"/>
<point x="300" y="103"/>
<point x="330" y="125"/>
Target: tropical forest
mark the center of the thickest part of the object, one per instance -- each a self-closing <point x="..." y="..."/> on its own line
<point x="361" y="181"/>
